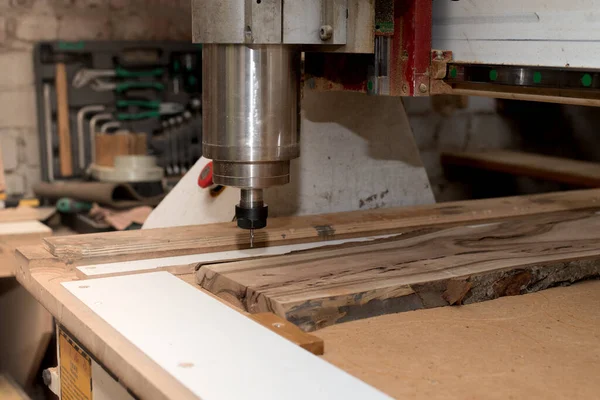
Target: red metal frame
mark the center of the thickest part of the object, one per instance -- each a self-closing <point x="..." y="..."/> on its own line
<point x="410" y="63"/>
<point x="411" y="48"/>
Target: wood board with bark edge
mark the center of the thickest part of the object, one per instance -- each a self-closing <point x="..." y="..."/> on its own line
<point x="458" y="265"/>
<point x="166" y="242"/>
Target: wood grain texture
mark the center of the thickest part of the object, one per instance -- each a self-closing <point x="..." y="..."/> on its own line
<point x="165" y="242"/>
<point x="555" y="169"/>
<point x="16" y="234"/>
<point x="290" y="331"/>
<point x="109" y="146"/>
<point x="26" y="214"/>
<point x="63" y="123"/>
<point x="427" y="269"/>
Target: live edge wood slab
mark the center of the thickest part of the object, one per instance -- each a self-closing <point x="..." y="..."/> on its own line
<point x="165" y="242"/>
<point x="423" y="269"/>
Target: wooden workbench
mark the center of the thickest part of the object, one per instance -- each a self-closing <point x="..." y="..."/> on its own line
<point x="515" y="346"/>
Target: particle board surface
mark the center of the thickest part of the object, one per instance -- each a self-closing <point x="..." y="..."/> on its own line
<point x="555" y="169"/>
<point x="536" y="346"/>
<point x="166" y="242"/>
<point x="204" y="350"/>
<point x="424" y="269"/>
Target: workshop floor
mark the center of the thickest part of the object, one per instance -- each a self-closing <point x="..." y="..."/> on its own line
<point x="544" y="345"/>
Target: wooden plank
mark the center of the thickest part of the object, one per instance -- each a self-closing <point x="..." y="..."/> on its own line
<point x="23" y="229"/>
<point x="203" y="351"/>
<point x="291" y="332"/>
<point x="186" y="264"/>
<point x="556" y="169"/>
<point x="165" y="242"/>
<point x="14" y="234"/>
<point x="62" y="116"/>
<point x="430" y="269"/>
<point x="536" y="346"/>
<point x="26" y="214"/>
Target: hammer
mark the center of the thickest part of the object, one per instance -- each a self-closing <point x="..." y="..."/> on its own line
<point x="62" y="105"/>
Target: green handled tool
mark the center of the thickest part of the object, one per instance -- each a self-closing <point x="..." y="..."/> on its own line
<point x="103" y="86"/>
<point x="125" y="73"/>
<point x="163" y="108"/>
<point x="137" y="116"/>
<point x="125" y="86"/>
<point x="85" y="75"/>
<point x="69" y="206"/>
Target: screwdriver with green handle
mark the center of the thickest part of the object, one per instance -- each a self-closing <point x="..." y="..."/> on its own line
<point x="67" y="205"/>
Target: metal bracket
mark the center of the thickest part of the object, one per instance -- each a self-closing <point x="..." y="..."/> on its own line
<point x="320" y="22"/>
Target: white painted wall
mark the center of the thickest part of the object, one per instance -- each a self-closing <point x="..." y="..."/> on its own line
<point x="528" y="32"/>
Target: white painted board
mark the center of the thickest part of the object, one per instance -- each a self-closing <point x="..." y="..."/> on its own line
<point x="9" y="229"/>
<point x="213" y="350"/>
<point x="100" y="270"/>
<point x="554" y="33"/>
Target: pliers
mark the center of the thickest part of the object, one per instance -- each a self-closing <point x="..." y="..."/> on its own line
<point x="100" y="85"/>
<point x="85" y="75"/>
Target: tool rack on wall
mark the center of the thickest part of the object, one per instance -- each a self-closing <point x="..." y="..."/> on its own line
<point x="149" y="90"/>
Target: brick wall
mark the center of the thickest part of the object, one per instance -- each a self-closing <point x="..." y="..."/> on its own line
<point x="24" y="22"/>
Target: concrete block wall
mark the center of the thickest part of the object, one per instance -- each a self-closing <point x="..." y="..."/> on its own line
<point x="24" y="22"/>
<point x="442" y="124"/>
<point x="474" y="125"/>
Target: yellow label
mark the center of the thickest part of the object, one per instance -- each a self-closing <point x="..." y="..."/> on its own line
<point x="75" y="370"/>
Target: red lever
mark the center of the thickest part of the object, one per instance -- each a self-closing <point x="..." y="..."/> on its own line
<point x="205" y="179"/>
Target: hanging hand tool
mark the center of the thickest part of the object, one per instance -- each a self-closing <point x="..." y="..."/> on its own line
<point x="85" y="76"/>
<point x="180" y="147"/>
<point x="67" y="205"/>
<point x="83" y="111"/>
<point x="64" y="130"/>
<point x="137" y="116"/>
<point x="100" y="85"/>
<point x="48" y="129"/>
<point x="162" y="108"/>
<point x="109" y="125"/>
<point x="173" y="142"/>
<point x="175" y="71"/>
<point x="167" y="152"/>
<point x="187" y="140"/>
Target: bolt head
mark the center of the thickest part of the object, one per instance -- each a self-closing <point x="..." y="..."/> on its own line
<point x="423" y="88"/>
<point x="326" y="32"/>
